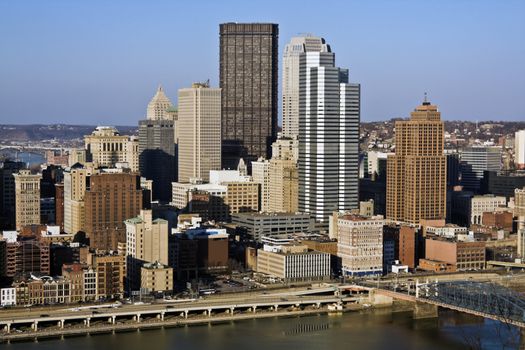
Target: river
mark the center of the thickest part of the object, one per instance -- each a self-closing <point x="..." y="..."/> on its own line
<point x="369" y="330"/>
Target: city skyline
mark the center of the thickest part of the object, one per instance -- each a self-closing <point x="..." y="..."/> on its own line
<point x="72" y="64"/>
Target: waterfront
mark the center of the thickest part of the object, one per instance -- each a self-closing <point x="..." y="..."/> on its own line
<point x="380" y="329"/>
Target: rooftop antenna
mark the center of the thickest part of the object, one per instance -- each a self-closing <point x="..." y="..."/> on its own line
<point x="425" y="99"/>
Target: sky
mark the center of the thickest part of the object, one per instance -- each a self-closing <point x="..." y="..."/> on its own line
<point x="100" y="62"/>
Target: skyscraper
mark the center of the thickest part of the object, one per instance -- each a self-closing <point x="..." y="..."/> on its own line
<point x="110" y="199"/>
<point x="474" y="161"/>
<point x="329" y="111"/>
<point x="417" y="172"/>
<point x="199" y="132"/>
<point x="157" y="148"/>
<point x="519" y="149"/>
<point x="7" y="193"/>
<point x="290" y="93"/>
<point x="248" y="78"/>
<point x="27" y="198"/>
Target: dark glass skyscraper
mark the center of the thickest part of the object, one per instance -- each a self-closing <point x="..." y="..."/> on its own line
<point x="248" y="78"/>
<point x="157" y="148"/>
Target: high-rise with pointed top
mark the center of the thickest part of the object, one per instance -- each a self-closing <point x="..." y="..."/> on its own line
<point x="157" y="147"/>
<point x="417" y="172"/>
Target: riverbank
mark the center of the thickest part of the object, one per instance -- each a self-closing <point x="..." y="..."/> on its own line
<point x="167" y="323"/>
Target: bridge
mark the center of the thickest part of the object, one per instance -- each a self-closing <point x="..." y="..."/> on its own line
<point x="484" y="299"/>
<point x="19" y="324"/>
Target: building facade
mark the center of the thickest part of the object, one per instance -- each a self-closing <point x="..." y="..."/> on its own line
<point x="519" y="149"/>
<point x="474" y="161"/>
<point x="360" y="244"/>
<point x="157" y="146"/>
<point x="261" y="175"/>
<point x="199" y="132"/>
<point x="258" y="225"/>
<point x="110" y="199"/>
<point x="27" y="198"/>
<point x="248" y="78"/>
<point x="105" y="147"/>
<point x="146" y="242"/>
<point x="329" y="113"/>
<point x="293" y="263"/>
<point x="417" y="172"/>
<point x="290" y="93"/>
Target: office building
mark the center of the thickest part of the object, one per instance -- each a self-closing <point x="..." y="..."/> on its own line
<point x="290" y="93"/>
<point x="75" y="184"/>
<point x="329" y="112"/>
<point x="360" y="244"/>
<point x="283" y="186"/>
<point x="474" y="161"/>
<point x="146" y="242"/>
<point x="258" y="225"/>
<point x="502" y="183"/>
<point x="59" y="205"/>
<point x="417" y="172"/>
<point x="27" y="255"/>
<point x="157" y="146"/>
<point x="293" y="263"/>
<point x="110" y="272"/>
<point x="110" y="198"/>
<point x="105" y="147"/>
<point x="199" y="132"/>
<point x="261" y="175"/>
<point x="460" y="255"/>
<point x="519" y="149"/>
<point x="7" y="193"/>
<point x="27" y="198"/>
<point x="482" y="204"/>
<point x="156" y="278"/>
<point x="248" y="78"/>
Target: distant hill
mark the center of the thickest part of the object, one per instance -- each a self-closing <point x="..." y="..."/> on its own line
<point x="38" y="132"/>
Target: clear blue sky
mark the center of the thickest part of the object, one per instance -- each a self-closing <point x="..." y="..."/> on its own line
<point x="99" y="62"/>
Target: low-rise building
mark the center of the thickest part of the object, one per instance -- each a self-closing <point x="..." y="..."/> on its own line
<point x="156" y="277"/>
<point x="8" y="296"/>
<point x="360" y="244"/>
<point x="464" y="255"/>
<point x="110" y="273"/>
<point x="258" y="225"/>
<point x="449" y="230"/>
<point x="293" y="263"/>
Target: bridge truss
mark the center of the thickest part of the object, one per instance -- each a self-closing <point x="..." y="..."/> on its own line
<point x="484" y="297"/>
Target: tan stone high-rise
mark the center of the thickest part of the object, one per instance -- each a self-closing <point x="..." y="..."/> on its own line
<point x="417" y="172"/>
<point x="27" y="198"/>
<point x="105" y="147"/>
<point x="75" y="183"/>
<point x="199" y="132"/>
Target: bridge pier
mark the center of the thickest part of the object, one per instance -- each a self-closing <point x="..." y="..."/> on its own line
<point x="425" y="311"/>
<point x="87" y="321"/>
<point x="112" y="319"/>
<point x="34" y="326"/>
<point x="232" y="309"/>
<point x="254" y="309"/>
<point x="61" y="324"/>
<point x="138" y="318"/>
<point x="7" y="328"/>
<point x="209" y="312"/>
<point x="275" y="307"/>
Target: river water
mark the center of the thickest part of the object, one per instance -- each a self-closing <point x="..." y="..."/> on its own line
<point x="370" y="330"/>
